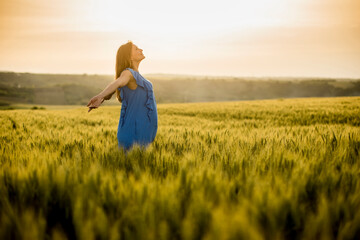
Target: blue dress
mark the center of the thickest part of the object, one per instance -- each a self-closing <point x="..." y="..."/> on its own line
<point x="138" y="118"/>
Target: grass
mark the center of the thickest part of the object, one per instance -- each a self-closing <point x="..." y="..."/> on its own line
<point x="266" y="169"/>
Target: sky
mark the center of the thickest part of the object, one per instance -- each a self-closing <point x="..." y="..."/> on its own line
<point x="257" y="38"/>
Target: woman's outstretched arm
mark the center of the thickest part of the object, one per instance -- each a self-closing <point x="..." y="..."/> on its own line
<point x="109" y="96"/>
<point x="119" y="82"/>
<point x="110" y="89"/>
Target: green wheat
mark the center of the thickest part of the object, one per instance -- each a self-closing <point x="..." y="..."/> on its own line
<point x="269" y="169"/>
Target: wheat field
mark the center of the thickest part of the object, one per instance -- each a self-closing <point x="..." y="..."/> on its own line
<point x="264" y="169"/>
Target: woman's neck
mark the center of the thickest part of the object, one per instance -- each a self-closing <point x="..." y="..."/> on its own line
<point x="135" y="66"/>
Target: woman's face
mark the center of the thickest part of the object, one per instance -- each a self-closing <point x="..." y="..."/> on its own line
<point x="136" y="53"/>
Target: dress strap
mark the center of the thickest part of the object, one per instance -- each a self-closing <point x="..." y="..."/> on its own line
<point x="138" y="78"/>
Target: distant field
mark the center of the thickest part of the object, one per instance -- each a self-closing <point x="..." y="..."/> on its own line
<point x="264" y="169"/>
<point x="77" y="89"/>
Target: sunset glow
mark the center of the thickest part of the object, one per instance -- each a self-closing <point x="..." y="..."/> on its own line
<point x="228" y="38"/>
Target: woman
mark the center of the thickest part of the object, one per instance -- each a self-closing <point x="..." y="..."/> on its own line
<point x="138" y="118"/>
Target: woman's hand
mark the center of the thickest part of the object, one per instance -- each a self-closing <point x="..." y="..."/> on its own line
<point x="95" y="102"/>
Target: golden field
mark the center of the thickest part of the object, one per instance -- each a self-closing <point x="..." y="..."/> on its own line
<point x="264" y="169"/>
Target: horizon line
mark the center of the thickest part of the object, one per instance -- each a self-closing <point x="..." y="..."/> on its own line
<point x="190" y="75"/>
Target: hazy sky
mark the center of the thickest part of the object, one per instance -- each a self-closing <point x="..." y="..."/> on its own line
<point x="227" y="38"/>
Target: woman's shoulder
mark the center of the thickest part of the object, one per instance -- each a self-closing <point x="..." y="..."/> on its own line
<point x="140" y="80"/>
<point x="130" y="70"/>
<point x="127" y="72"/>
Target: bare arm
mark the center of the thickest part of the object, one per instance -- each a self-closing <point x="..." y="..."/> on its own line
<point x="96" y="101"/>
<point x="119" y="82"/>
<point x="108" y="96"/>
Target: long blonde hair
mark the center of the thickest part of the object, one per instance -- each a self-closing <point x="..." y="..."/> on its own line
<point x="123" y="60"/>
